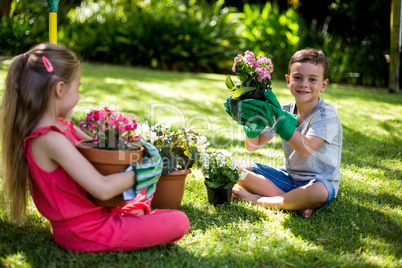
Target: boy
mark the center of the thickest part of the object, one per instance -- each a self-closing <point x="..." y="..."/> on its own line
<point x="311" y="134"/>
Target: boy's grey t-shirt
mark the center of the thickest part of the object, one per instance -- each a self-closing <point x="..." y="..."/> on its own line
<point x="324" y="163"/>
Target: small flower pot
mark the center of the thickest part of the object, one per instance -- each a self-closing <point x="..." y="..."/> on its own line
<point x="218" y="196"/>
<point x="109" y="162"/>
<point x="170" y="190"/>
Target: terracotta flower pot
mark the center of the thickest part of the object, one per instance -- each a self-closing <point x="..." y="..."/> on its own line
<point x="218" y="196"/>
<point x="109" y="162"/>
<point x="170" y="189"/>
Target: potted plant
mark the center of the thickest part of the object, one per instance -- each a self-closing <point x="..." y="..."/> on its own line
<point x="114" y="145"/>
<point x="221" y="173"/>
<point x="254" y="74"/>
<point x="179" y="150"/>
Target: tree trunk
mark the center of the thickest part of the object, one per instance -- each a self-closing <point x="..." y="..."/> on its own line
<point x="5" y="7"/>
<point x="394" y="47"/>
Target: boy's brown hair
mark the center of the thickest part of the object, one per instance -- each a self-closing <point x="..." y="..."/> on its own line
<point x="311" y="55"/>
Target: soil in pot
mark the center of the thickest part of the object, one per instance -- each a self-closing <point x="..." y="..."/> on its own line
<point x="234" y="104"/>
<point x="109" y="162"/>
<point x="218" y="196"/>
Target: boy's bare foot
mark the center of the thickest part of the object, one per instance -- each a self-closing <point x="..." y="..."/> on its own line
<point x="240" y="193"/>
<point x="306" y="213"/>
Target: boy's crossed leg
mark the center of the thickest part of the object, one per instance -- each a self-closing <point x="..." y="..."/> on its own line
<point x="260" y="190"/>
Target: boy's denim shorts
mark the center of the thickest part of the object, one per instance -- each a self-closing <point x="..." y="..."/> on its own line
<point x="286" y="183"/>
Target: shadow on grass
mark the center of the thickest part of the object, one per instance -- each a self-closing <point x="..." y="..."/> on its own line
<point x="364" y="150"/>
<point x="32" y="240"/>
<point x="353" y="228"/>
<point x="209" y="216"/>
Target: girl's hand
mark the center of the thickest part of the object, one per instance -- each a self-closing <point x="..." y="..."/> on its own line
<point x="147" y="173"/>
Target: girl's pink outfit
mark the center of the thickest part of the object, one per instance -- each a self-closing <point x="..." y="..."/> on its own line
<point x="80" y="225"/>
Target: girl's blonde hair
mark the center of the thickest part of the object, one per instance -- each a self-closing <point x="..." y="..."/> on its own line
<point x="29" y="82"/>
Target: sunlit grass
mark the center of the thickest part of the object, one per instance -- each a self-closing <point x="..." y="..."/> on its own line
<point x="362" y="227"/>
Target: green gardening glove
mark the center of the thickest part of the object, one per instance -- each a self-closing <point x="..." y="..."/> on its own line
<point x="252" y="130"/>
<point x="227" y="108"/>
<point x="147" y="173"/>
<point x="271" y="98"/>
<point x="270" y="114"/>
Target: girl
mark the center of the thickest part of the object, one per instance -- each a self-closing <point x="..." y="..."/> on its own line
<point x="39" y="151"/>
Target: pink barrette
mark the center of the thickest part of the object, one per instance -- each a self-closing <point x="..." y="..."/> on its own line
<point x="47" y="64"/>
<point x="25" y="55"/>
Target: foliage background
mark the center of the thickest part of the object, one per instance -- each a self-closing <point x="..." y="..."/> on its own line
<point x="205" y="36"/>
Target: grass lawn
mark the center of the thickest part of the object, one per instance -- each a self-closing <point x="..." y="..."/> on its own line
<point x="362" y="226"/>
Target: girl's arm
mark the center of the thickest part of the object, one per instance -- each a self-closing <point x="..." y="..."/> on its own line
<point x="254" y="144"/>
<point x="53" y="149"/>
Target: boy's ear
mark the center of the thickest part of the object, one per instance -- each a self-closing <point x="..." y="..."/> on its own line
<point x="59" y="89"/>
<point x="287" y="77"/>
<point x="324" y="85"/>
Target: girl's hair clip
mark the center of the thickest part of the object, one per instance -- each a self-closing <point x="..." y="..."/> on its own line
<point x="48" y="65"/>
<point x="25" y="55"/>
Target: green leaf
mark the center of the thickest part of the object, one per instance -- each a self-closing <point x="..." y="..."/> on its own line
<point x="214" y="184"/>
<point x="242" y="91"/>
<point x="229" y="82"/>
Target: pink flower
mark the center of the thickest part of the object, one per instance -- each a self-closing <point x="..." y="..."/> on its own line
<point x="96" y="115"/>
<point x="104" y="122"/>
<point x="131" y="126"/>
<point x="253" y="71"/>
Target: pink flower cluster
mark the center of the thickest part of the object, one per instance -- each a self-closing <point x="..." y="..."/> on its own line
<point x="106" y="123"/>
<point x="259" y="68"/>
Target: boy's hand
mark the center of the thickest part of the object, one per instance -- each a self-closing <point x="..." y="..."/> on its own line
<point x="252" y="130"/>
<point x="147" y="173"/>
<point x="282" y="122"/>
<point x="271" y="98"/>
<point x="227" y="107"/>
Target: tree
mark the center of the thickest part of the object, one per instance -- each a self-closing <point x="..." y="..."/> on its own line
<point x="5" y="7"/>
<point x="395" y="46"/>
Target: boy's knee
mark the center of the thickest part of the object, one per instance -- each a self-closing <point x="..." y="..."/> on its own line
<point x="245" y="167"/>
<point x="320" y="193"/>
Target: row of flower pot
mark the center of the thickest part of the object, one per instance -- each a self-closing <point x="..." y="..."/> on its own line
<point x="170" y="187"/>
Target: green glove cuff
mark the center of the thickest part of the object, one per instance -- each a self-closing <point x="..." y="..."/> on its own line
<point x="251" y="132"/>
<point x="271" y="98"/>
<point x="286" y="124"/>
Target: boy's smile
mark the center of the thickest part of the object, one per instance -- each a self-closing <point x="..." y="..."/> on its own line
<point x="306" y="81"/>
